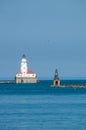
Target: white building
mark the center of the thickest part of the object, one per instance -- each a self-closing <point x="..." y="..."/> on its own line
<point x="25" y="75"/>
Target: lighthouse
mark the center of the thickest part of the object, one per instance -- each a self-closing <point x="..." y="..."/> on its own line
<point x="25" y="75"/>
<point x="56" y="81"/>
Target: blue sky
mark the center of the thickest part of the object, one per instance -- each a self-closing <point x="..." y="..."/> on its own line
<point x="52" y="34"/>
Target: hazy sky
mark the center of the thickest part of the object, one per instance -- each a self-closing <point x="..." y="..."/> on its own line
<point x="52" y="34"/>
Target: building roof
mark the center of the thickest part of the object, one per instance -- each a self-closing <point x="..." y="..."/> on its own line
<point x="28" y="72"/>
<point x="19" y="73"/>
<point x="56" y="77"/>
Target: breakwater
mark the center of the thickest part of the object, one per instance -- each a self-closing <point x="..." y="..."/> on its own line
<point x="7" y="82"/>
<point x="64" y="83"/>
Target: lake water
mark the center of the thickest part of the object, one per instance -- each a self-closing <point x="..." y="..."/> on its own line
<point x="41" y="107"/>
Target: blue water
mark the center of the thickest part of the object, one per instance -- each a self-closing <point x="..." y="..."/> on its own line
<point x="41" y="107"/>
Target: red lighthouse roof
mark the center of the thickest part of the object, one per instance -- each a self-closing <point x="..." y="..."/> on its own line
<point x="19" y="72"/>
<point x="28" y="72"/>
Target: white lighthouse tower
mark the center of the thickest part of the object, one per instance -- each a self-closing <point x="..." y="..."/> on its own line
<point x="24" y="68"/>
<point x="25" y="75"/>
